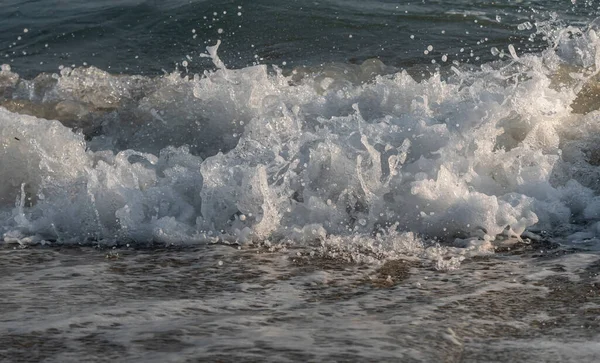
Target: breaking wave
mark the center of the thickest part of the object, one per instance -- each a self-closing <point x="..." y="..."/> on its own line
<point x="355" y="155"/>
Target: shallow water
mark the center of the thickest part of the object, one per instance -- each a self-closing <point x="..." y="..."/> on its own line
<point x="217" y="303"/>
<point x="299" y="181"/>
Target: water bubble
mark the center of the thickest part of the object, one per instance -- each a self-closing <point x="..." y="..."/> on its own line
<point x="444" y="58"/>
<point x="220" y="30"/>
<point x="412" y="36"/>
<point x="430" y="48"/>
<point x="25" y="30"/>
<point x="525" y="26"/>
<point x="513" y="53"/>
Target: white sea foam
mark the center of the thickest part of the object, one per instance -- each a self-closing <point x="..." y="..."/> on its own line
<point x="253" y="154"/>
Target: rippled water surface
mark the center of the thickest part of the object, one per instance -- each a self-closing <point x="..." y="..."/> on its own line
<point x="216" y="303"/>
<point x="146" y="36"/>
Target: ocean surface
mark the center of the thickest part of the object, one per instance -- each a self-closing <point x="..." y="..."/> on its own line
<point x="299" y="181"/>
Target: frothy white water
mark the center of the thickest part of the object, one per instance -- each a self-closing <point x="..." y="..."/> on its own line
<point x="253" y="154"/>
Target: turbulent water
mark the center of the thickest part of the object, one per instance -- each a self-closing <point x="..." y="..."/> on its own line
<point x="296" y="181"/>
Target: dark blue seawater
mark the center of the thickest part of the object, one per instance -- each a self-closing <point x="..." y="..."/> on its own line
<point x="144" y="37"/>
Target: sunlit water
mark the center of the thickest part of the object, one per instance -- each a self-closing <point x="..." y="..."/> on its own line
<point x="299" y="181"/>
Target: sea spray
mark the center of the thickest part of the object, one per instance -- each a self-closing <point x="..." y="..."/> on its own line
<point x="251" y="154"/>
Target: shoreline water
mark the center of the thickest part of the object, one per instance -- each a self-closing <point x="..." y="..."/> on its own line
<point x="219" y="303"/>
<point x="335" y="182"/>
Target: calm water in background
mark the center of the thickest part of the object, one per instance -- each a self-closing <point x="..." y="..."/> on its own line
<point x="140" y="37"/>
<point x="534" y="301"/>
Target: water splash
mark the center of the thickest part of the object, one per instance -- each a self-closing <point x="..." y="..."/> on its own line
<point x="251" y="154"/>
